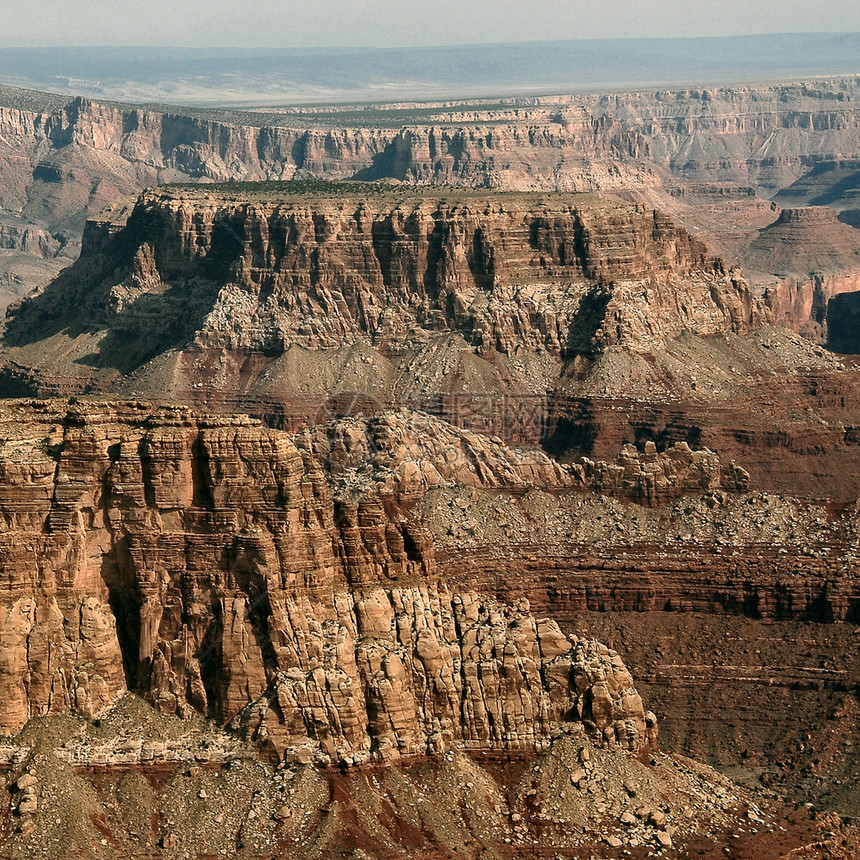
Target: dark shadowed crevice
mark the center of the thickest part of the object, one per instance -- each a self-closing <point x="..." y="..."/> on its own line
<point x="118" y="574"/>
<point x="201" y="476"/>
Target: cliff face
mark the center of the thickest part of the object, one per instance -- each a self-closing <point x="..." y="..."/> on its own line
<point x="803" y="304"/>
<point x="113" y="480"/>
<point x="501" y="273"/>
<point x="766" y="134"/>
<point x="491" y="267"/>
<point x="205" y="563"/>
<point x="435" y="671"/>
<point x="40" y="243"/>
<point x="363" y="591"/>
<point x="60" y="164"/>
<point x="842" y="315"/>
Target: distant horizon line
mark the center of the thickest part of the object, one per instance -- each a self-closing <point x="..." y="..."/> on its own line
<point x="429" y="47"/>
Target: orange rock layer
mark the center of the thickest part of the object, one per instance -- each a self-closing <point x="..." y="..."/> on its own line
<point x="206" y="563"/>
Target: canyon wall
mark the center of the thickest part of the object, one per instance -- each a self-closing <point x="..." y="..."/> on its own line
<point x="364" y="590"/>
<point x="842" y="317"/>
<point x="59" y="164"/>
<point x="321" y="268"/>
<point x="206" y="563"/>
<point x="701" y="154"/>
<point x="802" y="304"/>
<point x="371" y="588"/>
<point x="564" y="320"/>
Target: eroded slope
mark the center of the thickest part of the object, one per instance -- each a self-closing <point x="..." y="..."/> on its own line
<point x="361" y="592"/>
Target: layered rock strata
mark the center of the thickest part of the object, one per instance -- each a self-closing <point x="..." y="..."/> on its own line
<point x="64" y="160"/>
<point x="765" y="136"/>
<point x="579" y="323"/>
<point x="204" y="562"/>
<point x="338" y="601"/>
<point x="299" y="266"/>
<point x="30" y="240"/>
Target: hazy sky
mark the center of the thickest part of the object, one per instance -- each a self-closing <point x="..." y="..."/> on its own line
<point x="310" y="23"/>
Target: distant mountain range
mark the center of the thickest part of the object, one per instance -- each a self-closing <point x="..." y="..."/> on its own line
<point x="246" y="77"/>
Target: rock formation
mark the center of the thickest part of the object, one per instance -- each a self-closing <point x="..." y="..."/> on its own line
<point x="217" y="541"/>
<point x="363" y="590"/>
<point x="804" y="259"/>
<point x="677" y="129"/>
<point x="402" y="455"/>
<point x="843" y="312"/>
<point x="400" y="672"/>
<point x="579" y="323"/>
<point x="203" y="561"/>
<point x="297" y="266"/>
<point x="369" y="585"/>
<point x="803" y="241"/>
<point x="64" y="160"/>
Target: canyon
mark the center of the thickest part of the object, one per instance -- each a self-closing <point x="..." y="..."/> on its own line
<point x="431" y="480"/>
<point x="711" y="157"/>
<point x="568" y="320"/>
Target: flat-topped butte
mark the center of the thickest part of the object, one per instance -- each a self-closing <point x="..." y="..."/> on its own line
<point x="395" y="192"/>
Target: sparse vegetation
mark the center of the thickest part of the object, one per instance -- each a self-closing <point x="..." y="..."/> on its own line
<point x="32" y="100"/>
<point x="386" y="189"/>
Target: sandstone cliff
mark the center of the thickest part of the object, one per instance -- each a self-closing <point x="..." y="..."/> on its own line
<point x="59" y="164"/>
<point x="402" y="672"/>
<point x="205" y="563"/>
<point x="364" y="590"/>
<point x="262" y="269"/>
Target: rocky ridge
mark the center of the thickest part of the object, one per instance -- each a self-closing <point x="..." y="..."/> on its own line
<point x="403" y="455"/>
<point x="203" y="562"/>
<point x="290" y="266"/>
